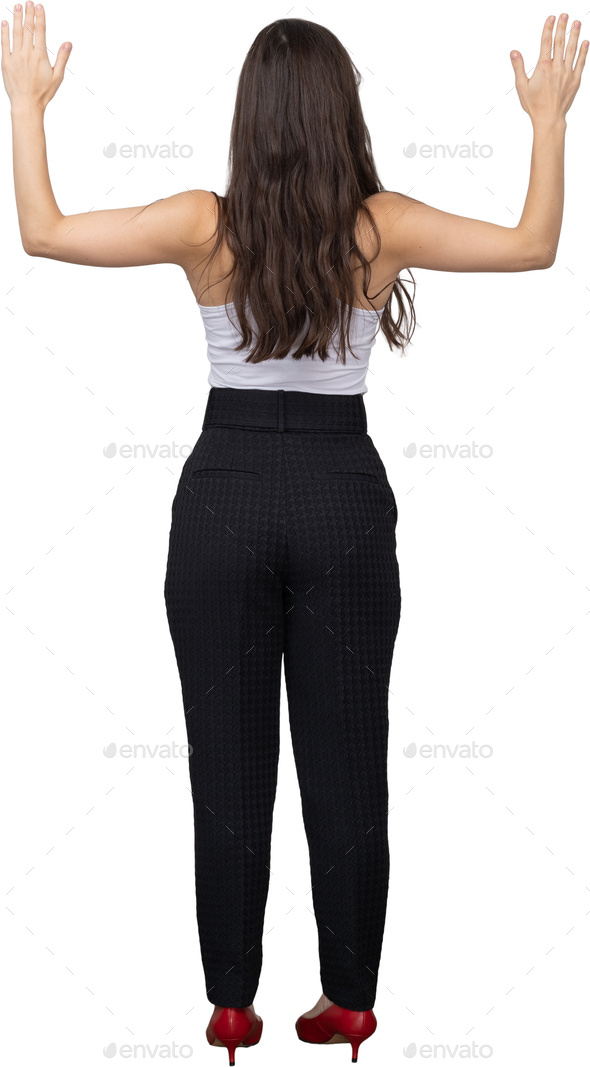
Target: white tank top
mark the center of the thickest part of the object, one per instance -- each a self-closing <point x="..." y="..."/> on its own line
<point x="311" y="375"/>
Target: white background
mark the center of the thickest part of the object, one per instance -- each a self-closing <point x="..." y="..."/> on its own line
<point x="487" y="931"/>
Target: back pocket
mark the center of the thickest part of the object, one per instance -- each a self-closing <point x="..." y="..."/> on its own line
<point x="223" y="472"/>
<point x="347" y="476"/>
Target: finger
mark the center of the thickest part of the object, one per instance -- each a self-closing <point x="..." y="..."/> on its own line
<point x="519" y="71"/>
<point x="40" y="28"/>
<point x="572" y="44"/>
<point x="580" y="61"/>
<point x="5" y="41"/>
<point x="29" y="26"/>
<point x="62" y="58"/>
<point x="17" y="28"/>
<point x="559" y="38"/>
<point x="547" y="38"/>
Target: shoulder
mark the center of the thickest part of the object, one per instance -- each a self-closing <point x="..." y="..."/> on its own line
<point x="205" y="208"/>
<point x="193" y="214"/>
<point x="389" y="207"/>
<point x="390" y="211"/>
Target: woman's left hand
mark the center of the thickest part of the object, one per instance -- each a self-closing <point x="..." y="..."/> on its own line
<point x="28" y="75"/>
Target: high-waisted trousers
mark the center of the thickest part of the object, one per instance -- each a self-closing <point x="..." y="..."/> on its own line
<point x="282" y="543"/>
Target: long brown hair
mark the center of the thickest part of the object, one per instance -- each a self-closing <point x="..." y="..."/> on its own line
<point x="300" y="168"/>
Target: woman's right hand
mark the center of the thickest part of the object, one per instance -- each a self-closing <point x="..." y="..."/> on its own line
<point x="549" y="93"/>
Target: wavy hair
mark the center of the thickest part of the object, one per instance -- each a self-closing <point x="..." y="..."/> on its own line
<point x="300" y="168"/>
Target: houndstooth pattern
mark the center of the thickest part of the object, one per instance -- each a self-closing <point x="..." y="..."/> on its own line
<point x="282" y="543"/>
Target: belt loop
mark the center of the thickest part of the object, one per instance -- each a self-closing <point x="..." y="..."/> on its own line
<point x="280" y="411"/>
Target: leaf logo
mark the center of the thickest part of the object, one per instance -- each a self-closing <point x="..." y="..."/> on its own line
<point x="410" y="750"/>
<point x="410" y="1050"/>
<point x="110" y="1050"/>
<point x="410" y="150"/>
<point x="110" y="150"/>
<point x="410" y="450"/>
<point x="110" y="750"/>
<point x="110" y="450"/>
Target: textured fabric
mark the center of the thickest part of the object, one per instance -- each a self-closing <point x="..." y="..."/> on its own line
<point x="305" y="374"/>
<point x="282" y="542"/>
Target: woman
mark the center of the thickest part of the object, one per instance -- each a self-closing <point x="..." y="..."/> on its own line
<point x="282" y="539"/>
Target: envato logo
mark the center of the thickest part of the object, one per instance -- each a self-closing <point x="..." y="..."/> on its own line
<point x="143" y="151"/>
<point x="465" y="1052"/>
<point x="172" y="751"/>
<point x="472" y="751"/>
<point x="164" y="1052"/>
<point x="466" y="451"/>
<point x="170" y="450"/>
<point x="445" y="151"/>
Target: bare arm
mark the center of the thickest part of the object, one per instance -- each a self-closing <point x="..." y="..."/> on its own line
<point x="121" y="237"/>
<point x="161" y="232"/>
<point x="417" y="235"/>
<point x="118" y="237"/>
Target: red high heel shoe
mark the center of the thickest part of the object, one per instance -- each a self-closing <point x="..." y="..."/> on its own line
<point x="337" y="1024"/>
<point x="233" y="1027"/>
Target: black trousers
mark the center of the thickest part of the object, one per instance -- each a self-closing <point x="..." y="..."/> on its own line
<point x="283" y="542"/>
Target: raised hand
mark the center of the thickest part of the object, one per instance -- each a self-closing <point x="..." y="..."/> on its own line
<point x="28" y="75"/>
<point x="549" y="93"/>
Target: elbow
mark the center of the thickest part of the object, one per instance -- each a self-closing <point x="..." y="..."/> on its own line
<point x="36" y="246"/>
<point x="539" y="261"/>
<point x="544" y="260"/>
<point x="30" y="248"/>
<point x="531" y="255"/>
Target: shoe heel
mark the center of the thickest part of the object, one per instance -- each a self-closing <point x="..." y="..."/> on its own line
<point x="355" y="1042"/>
<point x="231" y="1047"/>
